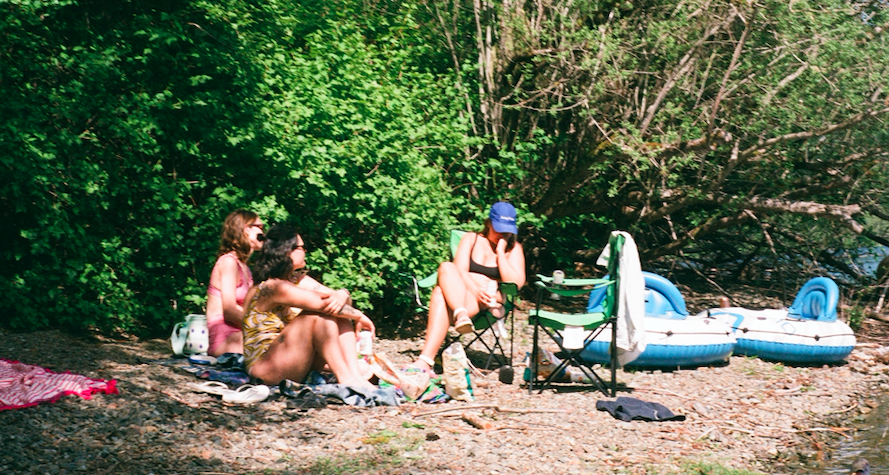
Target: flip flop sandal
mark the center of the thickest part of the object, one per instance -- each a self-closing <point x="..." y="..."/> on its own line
<point x="202" y="359"/>
<point x="211" y="387"/>
<point x="247" y="394"/>
<point x="464" y="325"/>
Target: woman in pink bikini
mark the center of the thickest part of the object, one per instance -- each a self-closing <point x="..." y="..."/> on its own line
<point x="492" y="255"/>
<point x="230" y="280"/>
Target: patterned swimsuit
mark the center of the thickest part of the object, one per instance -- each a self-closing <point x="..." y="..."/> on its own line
<point x="261" y="329"/>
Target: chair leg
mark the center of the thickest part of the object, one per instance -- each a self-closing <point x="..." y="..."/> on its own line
<point x="533" y="363"/>
<point x="613" y="357"/>
<point x="573" y="358"/>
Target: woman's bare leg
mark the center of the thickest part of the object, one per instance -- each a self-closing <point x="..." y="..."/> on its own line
<point x="348" y="344"/>
<point x="307" y="341"/>
<point x="437" y="324"/>
<point x="327" y="331"/>
<point x="290" y="356"/>
<point x="454" y="289"/>
<point x="448" y="295"/>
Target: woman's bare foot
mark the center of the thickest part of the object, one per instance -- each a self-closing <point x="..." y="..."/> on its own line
<point x="424" y="363"/>
<point x="365" y="370"/>
<point x="462" y="322"/>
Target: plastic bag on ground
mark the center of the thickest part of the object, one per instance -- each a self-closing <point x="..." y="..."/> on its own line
<point x="458" y="384"/>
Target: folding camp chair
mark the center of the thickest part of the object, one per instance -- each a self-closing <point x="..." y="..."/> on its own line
<point x="569" y="329"/>
<point x="488" y="331"/>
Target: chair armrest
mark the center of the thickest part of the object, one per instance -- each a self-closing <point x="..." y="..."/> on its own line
<point x="509" y="289"/>
<point x="574" y="282"/>
<point x="567" y="292"/>
<point x="428" y="281"/>
<point x="571" y="287"/>
<point x="558" y="321"/>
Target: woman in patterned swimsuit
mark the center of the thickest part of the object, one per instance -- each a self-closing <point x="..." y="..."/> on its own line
<point x="292" y="328"/>
<point x="492" y="255"/>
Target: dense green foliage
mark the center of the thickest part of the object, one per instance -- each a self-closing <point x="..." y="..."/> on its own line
<point x="131" y="130"/>
<point x="738" y="134"/>
<point x="114" y="128"/>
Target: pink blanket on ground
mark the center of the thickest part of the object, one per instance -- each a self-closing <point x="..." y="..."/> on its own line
<point x="23" y="385"/>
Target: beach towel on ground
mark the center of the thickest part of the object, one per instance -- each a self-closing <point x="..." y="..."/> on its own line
<point x="23" y="385"/>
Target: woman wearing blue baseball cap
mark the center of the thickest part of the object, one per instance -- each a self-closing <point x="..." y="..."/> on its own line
<point x="482" y="260"/>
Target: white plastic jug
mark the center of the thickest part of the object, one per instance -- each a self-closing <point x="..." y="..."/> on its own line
<point x="191" y="337"/>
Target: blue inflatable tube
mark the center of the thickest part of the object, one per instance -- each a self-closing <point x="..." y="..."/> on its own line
<point x="662" y="298"/>
<point x="817" y="300"/>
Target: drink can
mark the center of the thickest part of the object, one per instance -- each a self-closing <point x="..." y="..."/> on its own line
<point x="365" y="343"/>
<point x="492" y="289"/>
<point x="558" y="278"/>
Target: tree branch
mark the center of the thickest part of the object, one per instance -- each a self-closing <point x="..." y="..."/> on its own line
<point x="840" y="213"/>
<point x="733" y="65"/>
<point x="712" y="225"/>
<point x="684" y="65"/>
<point x="854" y="120"/>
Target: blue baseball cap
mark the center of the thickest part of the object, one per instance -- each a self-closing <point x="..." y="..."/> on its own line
<point x="503" y="218"/>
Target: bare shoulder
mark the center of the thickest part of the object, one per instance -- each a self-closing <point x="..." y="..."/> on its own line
<point x="227" y="263"/>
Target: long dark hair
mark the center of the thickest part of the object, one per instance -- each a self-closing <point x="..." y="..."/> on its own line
<point x="273" y="261"/>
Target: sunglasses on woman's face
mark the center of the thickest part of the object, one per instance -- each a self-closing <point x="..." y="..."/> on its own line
<point x="258" y="225"/>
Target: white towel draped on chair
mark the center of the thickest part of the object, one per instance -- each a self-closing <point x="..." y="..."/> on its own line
<point x="631" y="300"/>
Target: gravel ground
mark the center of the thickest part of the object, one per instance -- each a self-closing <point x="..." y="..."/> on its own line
<point x="748" y="414"/>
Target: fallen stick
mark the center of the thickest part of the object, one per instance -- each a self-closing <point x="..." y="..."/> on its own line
<point x="839" y="430"/>
<point x="474" y="421"/>
<point x="706" y="433"/>
<point x="524" y="429"/>
<point x="489" y="406"/>
<point x="788" y="391"/>
<point x="853" y="406"/>
<point x="662" y="391"/>
<point x="882" y="297"/>
<point x="878" y="316"/>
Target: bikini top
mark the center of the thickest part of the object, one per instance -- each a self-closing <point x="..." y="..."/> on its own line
<point x="487" y="271"/>
<point x="245" y="280"/>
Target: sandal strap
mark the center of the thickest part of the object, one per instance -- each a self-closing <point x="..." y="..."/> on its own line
<point x="429" y="361"/>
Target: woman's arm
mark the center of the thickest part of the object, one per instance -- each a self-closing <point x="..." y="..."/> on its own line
<point x="305" y="296"/>
<point x="336" y="299"/>
<point x="229" y="270"/>
<point x="461" y="260"/>
<point x="511" y="264"/>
